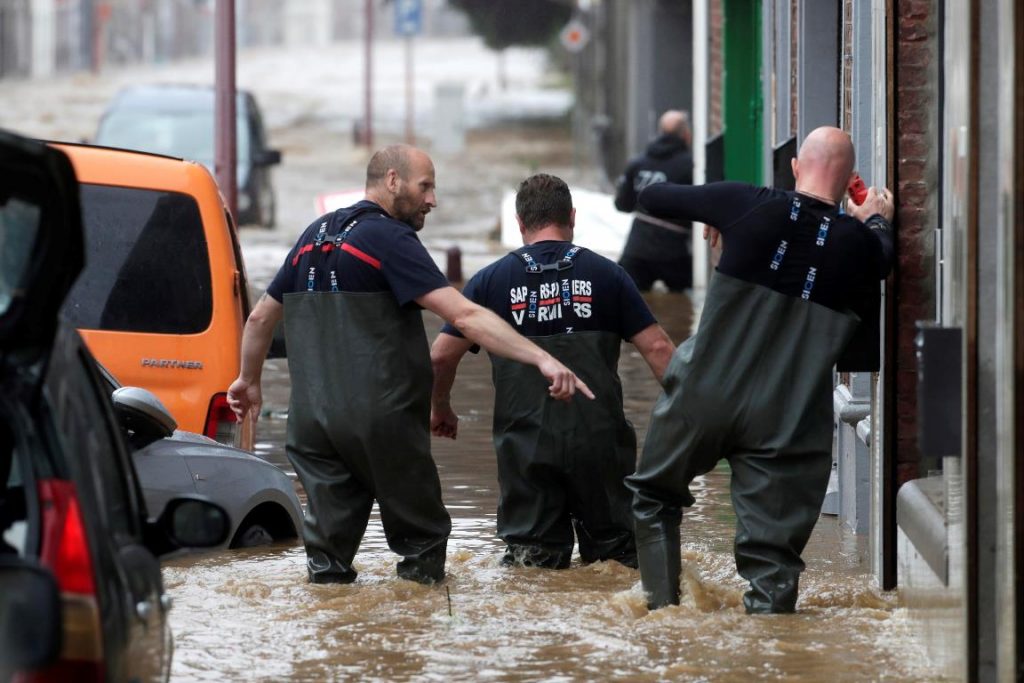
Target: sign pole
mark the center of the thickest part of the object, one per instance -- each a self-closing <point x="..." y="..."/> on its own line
<point x="224" y="149"/>
<point x="574" y="36"/>
<point x="410" y="109"/>
<point x="368" y="77"/>
<point x="409" y="23"/>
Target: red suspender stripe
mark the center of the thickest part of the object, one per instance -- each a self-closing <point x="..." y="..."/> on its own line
<point x="305" y="249"/>
<point x="345" y="246"/>
<point x="361" y="255"/>
<point x="354" y="251"/>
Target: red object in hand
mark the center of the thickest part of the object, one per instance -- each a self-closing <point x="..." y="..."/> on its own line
<point x="858" y="191"/>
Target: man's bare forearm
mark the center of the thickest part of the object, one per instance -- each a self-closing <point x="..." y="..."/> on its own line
<point x="656" y="347"/>
<point x="485" y="328"/>
<point x="257" y="337"/>
<point x="482" y="326"/>
<point x="445" y="355"/>
<point x="494" y="334"/>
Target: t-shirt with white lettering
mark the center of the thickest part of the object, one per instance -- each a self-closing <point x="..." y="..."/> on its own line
<point x="595" y="294"/>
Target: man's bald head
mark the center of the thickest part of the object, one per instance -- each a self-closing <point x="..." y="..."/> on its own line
<point x="675" y="122"/>
<point x="400" y="158"/>
<point x="825" y="162"/>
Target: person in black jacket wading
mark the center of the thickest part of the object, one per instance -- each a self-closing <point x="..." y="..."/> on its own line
<point x="658" y="248"/>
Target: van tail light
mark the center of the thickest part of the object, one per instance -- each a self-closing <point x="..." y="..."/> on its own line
<point x="220" y="421"/>
<point x="65" y="550"/>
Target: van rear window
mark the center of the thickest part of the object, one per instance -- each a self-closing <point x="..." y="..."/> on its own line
<point x="146" y="266"/>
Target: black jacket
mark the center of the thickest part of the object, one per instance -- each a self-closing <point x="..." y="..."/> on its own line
<point x="667" y="159"/>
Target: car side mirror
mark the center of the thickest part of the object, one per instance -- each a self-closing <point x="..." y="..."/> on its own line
<point x="188" y="522"/>
<point x="141" y="413"/>
<point x="30" y="616"/>
<point x="268" y="157"/>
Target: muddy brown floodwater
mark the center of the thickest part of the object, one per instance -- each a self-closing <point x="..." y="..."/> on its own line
<point x="250" y="614"/>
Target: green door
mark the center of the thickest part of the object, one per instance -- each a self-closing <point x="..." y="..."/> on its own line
<point x="742" y="107"/>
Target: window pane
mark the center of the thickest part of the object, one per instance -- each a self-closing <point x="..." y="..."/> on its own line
<point x="146" y="268"/>
<point x="19" y="228"/>
<point x="188" y="134"/>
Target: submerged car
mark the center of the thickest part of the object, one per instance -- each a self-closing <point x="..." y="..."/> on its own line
<point x="81" y="594"/>
<point x="177" y="120"/>
<point x="258" y="496"/>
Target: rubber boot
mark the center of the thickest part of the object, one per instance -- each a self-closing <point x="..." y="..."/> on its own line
<point x="323" y="568"/>
<point x="426" y="568"/>
<point x="775" y="594"/>
<point x="523" y="555"/>
<point x="536" y="556"/>
<point x="657" y="549"/>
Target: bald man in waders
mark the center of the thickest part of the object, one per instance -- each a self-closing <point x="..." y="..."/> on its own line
<point x="753" y="385"/>
<point x="561" y="465"/>
<point x="351" y="293"/>
<point x="658" y="248"/>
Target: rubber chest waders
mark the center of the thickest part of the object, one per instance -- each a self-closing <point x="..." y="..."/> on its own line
<point x="358" y="425"/>
<point x="753" y="386"/>
<point x="561" y="464"/>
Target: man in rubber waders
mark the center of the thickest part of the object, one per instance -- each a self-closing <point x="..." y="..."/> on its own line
<point x="561" y="465"/>
<point x="351" y="293"/>
<point x="754" y="384"/>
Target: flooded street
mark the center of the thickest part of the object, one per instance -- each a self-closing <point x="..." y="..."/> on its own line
<point x="250" y="615"/>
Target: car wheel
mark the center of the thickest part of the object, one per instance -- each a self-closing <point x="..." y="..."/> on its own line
<point x="252" y="536"/>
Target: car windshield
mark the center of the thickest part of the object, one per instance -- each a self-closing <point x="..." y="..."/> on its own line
<point x="147" y="268"/>
<point x="179" y="133"/>
<point x="19" y="227"/>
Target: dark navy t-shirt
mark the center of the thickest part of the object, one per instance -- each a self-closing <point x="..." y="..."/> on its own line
<point x="786" y="241"/>
<point x="379" y="254"/>
<point x="595" y="294"/>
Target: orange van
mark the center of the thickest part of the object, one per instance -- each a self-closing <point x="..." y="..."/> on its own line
<point x="163" y="297"/>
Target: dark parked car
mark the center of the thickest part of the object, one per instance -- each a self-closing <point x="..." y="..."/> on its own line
<point x="81" y="596"/>
<point x="177" y="120"/>
<point x="258" y="496"/>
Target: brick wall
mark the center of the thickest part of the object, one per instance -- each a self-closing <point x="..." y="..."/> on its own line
<point x="794" y="65"/>
<point x="917" y="141"/>
<point x="846" y="57"/>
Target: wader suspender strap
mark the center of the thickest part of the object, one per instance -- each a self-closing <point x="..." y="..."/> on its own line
<point x="565" y="263"/>
<point x="319" y="249"/>
<point x="819" y="241"/>
<point x="534" y="268"/>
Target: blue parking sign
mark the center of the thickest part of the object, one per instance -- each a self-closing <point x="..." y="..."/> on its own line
<point x="408" y="17"/>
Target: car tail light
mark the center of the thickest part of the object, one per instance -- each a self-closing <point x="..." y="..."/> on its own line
<point x="65" y="550"/>
<point x="220" y="421"/>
